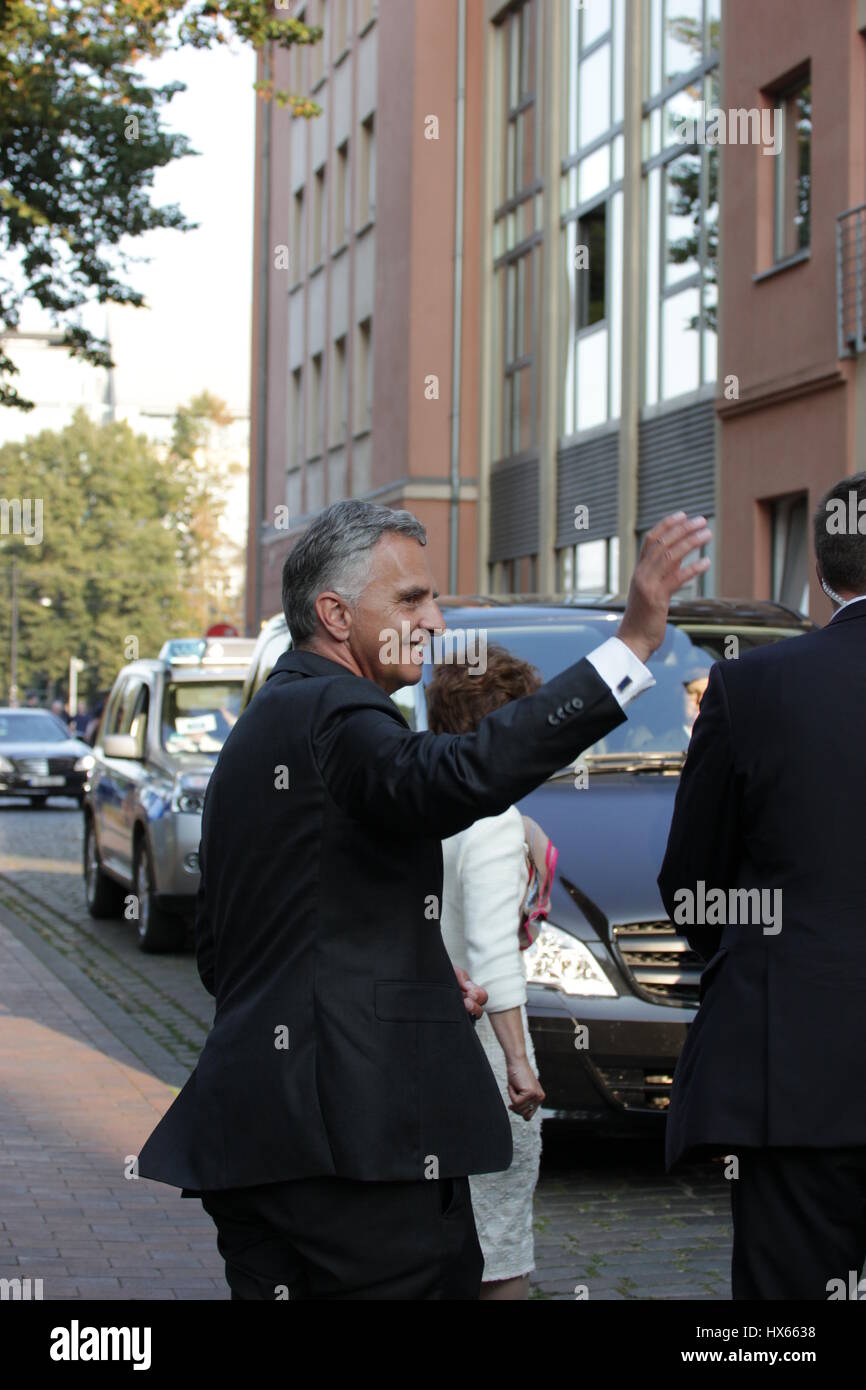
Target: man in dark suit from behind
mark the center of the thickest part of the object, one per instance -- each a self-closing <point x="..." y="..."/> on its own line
<point x="773" y="799"/>
<point x="342" y="1097"/>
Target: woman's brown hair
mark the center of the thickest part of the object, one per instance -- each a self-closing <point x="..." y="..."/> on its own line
<point x="458" y="697"/>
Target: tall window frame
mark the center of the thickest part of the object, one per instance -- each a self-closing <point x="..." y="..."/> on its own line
<point x="517" y="232"/>
<point x="680" y="272"/>
<point x="591" y="214"/>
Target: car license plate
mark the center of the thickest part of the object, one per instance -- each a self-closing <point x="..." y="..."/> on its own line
<point x="47" y="781"/>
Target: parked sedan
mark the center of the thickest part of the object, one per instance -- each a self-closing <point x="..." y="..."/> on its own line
<point x="39" y="759"/>
<point x="613" y="985"/>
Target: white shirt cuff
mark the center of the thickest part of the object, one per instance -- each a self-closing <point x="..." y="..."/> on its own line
<point x="620" y="669"/>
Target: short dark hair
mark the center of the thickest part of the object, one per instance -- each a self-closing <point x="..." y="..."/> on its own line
<point x="841" y="550"/>
<point x="335" y="553"/>
<point x="458" y="697"/>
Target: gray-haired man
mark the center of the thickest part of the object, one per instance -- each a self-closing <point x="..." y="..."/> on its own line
<point x="342" y="1096"/>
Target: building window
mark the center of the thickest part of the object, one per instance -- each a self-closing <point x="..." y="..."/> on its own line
<point x="367" y="173"/>
<point x="314" y="419"/>
<point x="338" y="395"/>
<point x="296" y="419"/>
<point x="789" y="529"/>
<point x="364" y="377"/>
<point x="341" y="27"/>
<point x="318" y="243"/>
<point x="680" y="202"/>
<point x="296" y="65"/>
<point x="298" y="259"/>
<point x="793" y="170"/>
<point x="517" y="235"/>
<point x="318" y="51"/>
<point x="342" y="186"/>
<point x="592" y="567"/>
<point x="591" y="245"/>
<point x="592" y="282"/>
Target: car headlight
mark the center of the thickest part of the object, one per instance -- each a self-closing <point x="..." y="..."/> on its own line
<point x="6" y="767"/>
<point x="84" y="764"/>
<point x="561" y="961"/>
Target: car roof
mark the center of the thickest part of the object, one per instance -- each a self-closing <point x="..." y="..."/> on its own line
<point x="27" y="709"/>
<point x="502" y="609"/>
<point x="149" y="666"/>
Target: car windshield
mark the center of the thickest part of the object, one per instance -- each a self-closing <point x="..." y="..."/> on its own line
<point x="659" y="721"/>
<point x="38" y="727"/>
<point x="197" y="716"/>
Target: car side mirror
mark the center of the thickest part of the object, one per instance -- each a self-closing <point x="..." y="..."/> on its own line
<point x="121" y="746"/>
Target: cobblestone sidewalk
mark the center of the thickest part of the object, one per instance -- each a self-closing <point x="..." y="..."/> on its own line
<point x="74" y="1101"/>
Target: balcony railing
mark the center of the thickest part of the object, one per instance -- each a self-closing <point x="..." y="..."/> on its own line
<point x="850" y="276"/>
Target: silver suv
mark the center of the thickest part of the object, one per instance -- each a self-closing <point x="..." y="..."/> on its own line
<point x="163" y="726"/>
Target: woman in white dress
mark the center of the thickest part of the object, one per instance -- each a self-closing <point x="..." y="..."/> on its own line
<point x="485" y="878"/>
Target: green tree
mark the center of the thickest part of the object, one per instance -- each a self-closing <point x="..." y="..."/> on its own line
<point x="81" y="137"/>
<point x="108" y="559"/>
<point x="206" y="472"/>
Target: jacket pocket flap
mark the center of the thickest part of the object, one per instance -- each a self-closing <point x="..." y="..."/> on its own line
<point x="411" y="1001"/>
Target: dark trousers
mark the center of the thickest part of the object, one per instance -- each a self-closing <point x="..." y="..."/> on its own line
<point x="337" y="1238"/>
<point x="799" y="1222"/>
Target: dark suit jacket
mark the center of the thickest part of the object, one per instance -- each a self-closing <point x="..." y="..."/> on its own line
<point x="318" y="914"/>
<point x="773" y="796"/>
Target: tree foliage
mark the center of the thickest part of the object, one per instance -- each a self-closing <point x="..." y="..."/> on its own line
<point x="81" y="137"/>
<point x="130" y="545"/>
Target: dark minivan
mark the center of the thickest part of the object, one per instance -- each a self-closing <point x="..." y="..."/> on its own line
<point x="613" y="986"/>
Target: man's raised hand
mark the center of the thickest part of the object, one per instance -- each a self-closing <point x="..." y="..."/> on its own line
<point x="658" y="574"/>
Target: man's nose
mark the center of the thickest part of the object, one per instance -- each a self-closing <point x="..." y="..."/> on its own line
<point x="432" y="619"/>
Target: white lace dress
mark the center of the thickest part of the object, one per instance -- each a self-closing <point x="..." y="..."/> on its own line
<point x="484" y="883"/>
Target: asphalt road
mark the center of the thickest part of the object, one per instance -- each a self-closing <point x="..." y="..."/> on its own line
<point x="609" y="1223"/>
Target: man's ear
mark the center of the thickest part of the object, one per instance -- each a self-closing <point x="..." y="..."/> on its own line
<point x="335" y="615"/>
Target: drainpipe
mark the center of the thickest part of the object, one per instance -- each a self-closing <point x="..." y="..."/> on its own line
<point x="454" y="518"/>
<point x="264" y="317"/>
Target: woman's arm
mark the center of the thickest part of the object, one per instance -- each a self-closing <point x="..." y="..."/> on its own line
<point x="493" y="877"/>
<point x="524" y="1087"/>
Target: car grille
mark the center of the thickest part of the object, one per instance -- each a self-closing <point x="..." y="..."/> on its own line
<point x="659" y="963"/>
<point x="43" y="767"/>
<point x="32" y="767"/>
<point x="61" y="764"/>
<point x="638" y="1088"/>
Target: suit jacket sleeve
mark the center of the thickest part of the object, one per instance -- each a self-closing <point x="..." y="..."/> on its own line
<point x="377" y="769"/>
<point x="704" y="839"/>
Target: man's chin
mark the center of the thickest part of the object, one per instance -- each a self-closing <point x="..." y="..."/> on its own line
<point x="410" y="675"/>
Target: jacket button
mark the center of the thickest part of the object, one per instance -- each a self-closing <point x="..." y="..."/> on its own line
<point x="552" y="719"/>
<point x="577" y="702"/>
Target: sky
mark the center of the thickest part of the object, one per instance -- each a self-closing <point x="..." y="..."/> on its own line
<point x="195" y="333"/>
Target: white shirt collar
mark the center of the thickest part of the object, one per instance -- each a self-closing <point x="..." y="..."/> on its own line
<point x="847" y="604"/>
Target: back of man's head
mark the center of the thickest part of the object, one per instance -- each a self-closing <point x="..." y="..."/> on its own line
<point x="335" y="553"/>
<point x="840" y="535"/>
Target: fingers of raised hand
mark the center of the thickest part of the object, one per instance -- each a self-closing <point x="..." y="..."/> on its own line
<point x="669" y="542"/>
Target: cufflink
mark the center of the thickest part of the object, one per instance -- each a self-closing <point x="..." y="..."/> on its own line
<point x="624" y="684"/>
